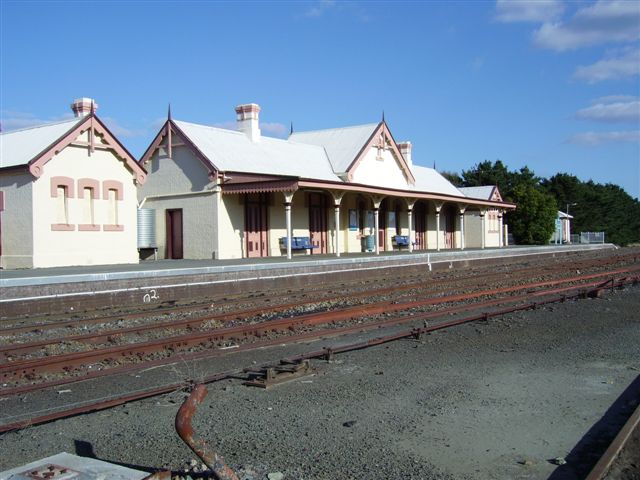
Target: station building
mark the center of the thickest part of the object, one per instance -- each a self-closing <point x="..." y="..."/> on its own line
<point x="218" y="193"/>
<point x="67" y="194"/>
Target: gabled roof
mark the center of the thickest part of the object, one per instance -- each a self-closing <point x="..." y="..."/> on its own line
<point x="484" y="192"/>
<point x="429" y="180"/>
<point x="233" y="151"/>
<point x="19" y="147"/>
<point x="34" y="147"/>
<point x="342" y="144"/>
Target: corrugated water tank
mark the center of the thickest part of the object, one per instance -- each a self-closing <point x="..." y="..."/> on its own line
<point x="147" y="228"/>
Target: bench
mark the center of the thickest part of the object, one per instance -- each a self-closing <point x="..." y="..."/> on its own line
<point x="401" y="241"/>
<point x="297" y="243"/>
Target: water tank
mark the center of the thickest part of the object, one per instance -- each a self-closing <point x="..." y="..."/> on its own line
<point x="147" y="228"/>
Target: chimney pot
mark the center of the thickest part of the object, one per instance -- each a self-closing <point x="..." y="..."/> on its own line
<point x="248" y="120"/>
<point x="82" y="106"/>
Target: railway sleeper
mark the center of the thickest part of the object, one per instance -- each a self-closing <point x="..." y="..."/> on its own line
<point x="270" y="375"/>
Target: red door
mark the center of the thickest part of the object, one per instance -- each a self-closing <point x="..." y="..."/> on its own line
<point x="318" y="223"/>
<point x="174" y="233"/>
<point x="419" y="215"/>
<point x="255" y="231"/>
<point x="382" y="227"/>
<point x="449" y="228"/>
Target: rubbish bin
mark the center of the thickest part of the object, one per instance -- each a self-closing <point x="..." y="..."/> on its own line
<point x="370" y="243"/>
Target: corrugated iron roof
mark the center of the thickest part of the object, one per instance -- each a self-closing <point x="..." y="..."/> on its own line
<point x="230" y="150"/>
<point x="19" y="147"/>
<point x="429" y="180"/>
<point x="342" y="144"/>
<point x="481" y="193"/>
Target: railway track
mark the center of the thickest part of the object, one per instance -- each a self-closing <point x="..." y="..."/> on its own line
<point x="560" y="291"/>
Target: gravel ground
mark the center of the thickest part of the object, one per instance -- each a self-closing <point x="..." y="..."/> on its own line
<point x="492" y="400"/>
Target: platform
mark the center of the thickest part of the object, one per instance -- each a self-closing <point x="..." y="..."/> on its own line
<point x="58" y="289"/>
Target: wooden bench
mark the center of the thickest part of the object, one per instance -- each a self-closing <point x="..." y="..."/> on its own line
<point x="297" y="243"/>
<point x="401" y="241"/>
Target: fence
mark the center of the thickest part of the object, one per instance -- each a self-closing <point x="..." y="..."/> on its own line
<point x="591" y="237"/>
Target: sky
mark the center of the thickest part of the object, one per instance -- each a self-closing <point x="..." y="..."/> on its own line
<point x="549" y="84"/>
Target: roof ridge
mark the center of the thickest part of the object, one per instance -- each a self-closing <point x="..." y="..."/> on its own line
<point x="42" y="125"/>
<point x="337" y="128"/>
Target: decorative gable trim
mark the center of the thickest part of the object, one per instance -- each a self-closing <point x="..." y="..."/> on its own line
<point x="168" y="130"/>
<point x="94" y="126"/>
<point x="381" y="130"/>
<point x="495" y="195"/>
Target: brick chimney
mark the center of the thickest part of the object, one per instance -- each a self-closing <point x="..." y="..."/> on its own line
<point x="405" y="150"/>
<point x="82" y="106"/>
<point x="247" y="116"/>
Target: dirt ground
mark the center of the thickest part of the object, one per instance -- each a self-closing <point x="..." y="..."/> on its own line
<point x="501" y="399"/>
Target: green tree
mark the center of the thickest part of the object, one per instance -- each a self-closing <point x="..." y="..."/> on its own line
<point x="533" y="222"/>
<point x="453" y="177"/>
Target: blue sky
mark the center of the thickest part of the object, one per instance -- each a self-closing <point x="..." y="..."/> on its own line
<point x="550" y="84"/>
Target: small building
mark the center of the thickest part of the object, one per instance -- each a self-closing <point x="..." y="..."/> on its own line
<point x="486" y="227"/>
<point x="67" y="194"/>
<point x="221" y="193"/>
<point x="562" y="232"/>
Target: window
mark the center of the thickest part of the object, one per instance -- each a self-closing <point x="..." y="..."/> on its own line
<point x="61" y="191"/>
<point x="112" y="192"/>
<point x="88" y="194"/>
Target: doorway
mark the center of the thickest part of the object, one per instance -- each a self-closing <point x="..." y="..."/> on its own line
<point x="318" y="222"/>
<point x="255" y="225"/>
<point x="174" y="234"/>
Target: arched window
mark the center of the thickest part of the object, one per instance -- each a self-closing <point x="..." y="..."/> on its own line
<point x="61" y="191"/>
<point x="112" y="192"/>
<point x="88" y="194"/>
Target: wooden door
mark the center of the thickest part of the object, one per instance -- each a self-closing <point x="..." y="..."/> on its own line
<point x="255" y="226"/>
<point x="318" y="223"/>
<point x="420" y="222"/>
<point x="174" y="234"/>
<point x="449" y="228"/>
<point x="382" y="226"/>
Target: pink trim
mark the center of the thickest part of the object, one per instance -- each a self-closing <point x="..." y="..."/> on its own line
<point x="95" y="125"/>
<point x="112" y="228"/>
<point x="86" y="227"/>
<point x="382" y="128"/>
<point x="62" y="227"/>
<point x="94" y="185"/>
<point x="66" y="182"/>
<point x="112" y="185"/>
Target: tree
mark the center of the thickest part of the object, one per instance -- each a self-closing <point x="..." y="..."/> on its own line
<point x="606" y="208"/>
<point x="453" y="177"/>
<point x="533" y="222"/>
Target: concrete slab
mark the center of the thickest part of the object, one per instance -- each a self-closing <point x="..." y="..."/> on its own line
<point x="65" y="466"/>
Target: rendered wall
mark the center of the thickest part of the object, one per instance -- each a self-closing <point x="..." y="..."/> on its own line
<point x="384" y="172"/>
<point x="17" y="221"/>
<point x="182" y="182"/>
<point x="59" y="248"/>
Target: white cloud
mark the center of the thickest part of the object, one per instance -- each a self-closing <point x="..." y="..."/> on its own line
<point x="318" y="9"/>
<point x="602" y="22"/>
<point x="528" y="10"/>
<point x="15" y="120"/>
<point x="598" y="138"/>
<point x="612" y="111"/>
<point x="624" y="65"/>
<point x="274" y="129"/>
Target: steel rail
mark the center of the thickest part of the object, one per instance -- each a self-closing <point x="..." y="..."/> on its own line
<point x="65" y="362"/>
<point x="602" y="467"/>
<point x="104" y="336"/>
<point x="324" y="353"/>
<point x="168" y="310"/>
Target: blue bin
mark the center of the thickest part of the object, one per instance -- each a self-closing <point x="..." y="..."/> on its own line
<point x="370" y="243"/>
